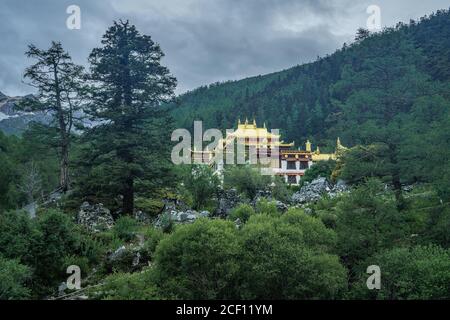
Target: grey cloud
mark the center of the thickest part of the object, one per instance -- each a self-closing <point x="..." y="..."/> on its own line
<point x="204" y="40"/>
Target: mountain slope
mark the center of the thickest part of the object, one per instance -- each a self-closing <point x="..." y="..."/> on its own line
<point x="309" y="100"/>
<point x="14" y="121"/>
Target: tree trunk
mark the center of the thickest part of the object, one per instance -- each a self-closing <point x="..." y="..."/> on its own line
<point x="128" y="197"/>
<point x="64" y="136"/>
<point x="64" y="168"/>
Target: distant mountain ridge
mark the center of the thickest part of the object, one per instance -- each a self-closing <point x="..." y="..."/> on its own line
<point x="15" y="121"/>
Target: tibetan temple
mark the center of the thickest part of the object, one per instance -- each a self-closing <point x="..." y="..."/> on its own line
<point x="282" y="158"/>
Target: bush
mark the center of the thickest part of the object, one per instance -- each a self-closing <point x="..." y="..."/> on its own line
<point x="152" y="238"/>
<point x="125" y="228"/>
<point x="198" y="261"/>
<point x="150" y="206"/>
<point x="319" y="169"/>
<point x="126" y="286"/>
<point x="13" y="279"/>
<point x="16" y="231"/>
<point x="246" y="179"/>
<point x="280" y="190"/>
<point x="421" y="272"/>
<point x="315" y="234"/>
<point x="53" y="241"/>
<point x="242" y="212"/>
<point x="278" y="263"/>
<point x="367" y="221"/>
<point x="265" y="206"/>
<point x="166" y="222"/>
<point x="201" y="185"/>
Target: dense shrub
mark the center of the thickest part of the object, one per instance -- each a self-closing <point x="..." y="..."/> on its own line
<point x="421" y="272"/>
<point x="242" y="212"/>
<point x="198" y="261"/>
<point x="125" y="228"/>
<point x="13" y="279"/>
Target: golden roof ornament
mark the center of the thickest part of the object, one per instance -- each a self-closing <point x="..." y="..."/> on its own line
<point x="308" y="146"/>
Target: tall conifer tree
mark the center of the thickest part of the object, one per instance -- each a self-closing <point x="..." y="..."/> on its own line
<point x="130" y="145"/>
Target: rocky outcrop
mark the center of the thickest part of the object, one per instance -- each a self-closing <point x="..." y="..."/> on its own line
<point x="95" y="217"/>
<point x="227" y="200"/>
<point x="142" y="217"/>
<point x="174" y="216"/>
<point x="313" y="191"/>
<point x="127" y="258"/>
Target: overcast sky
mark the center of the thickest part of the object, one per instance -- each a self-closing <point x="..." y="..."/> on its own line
<point x="204" y="40"/>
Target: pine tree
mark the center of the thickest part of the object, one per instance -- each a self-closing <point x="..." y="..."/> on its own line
<point x="60" y="93"/>
<point x="131" y="143"/>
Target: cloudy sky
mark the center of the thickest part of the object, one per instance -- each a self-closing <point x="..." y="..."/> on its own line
<point x="204" y="40"/>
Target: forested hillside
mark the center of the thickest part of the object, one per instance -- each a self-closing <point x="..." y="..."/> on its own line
<point x="332" y="95"/>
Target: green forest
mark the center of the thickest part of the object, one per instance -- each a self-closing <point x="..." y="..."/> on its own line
<point x="386" y="95"/>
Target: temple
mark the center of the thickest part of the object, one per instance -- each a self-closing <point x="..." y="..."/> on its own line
<point x="266" y="149"/>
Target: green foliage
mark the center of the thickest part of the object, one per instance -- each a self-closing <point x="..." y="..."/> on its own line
<point x="421" y="272"/>
<point x="246" y="179"/>
<point x="13" y="278"/>
<point x="200" y="183"/>
<point x="128" y="152"/>
<point x="16" y="233"/>
<point x="277" y="262"/>
<point x="265" y="206"/>
<point x="125" y="228"/>
<point x="16" y="156"/>
<point x="61" y="91"/>
<point x="280" y="190"/>
<point x="242" y="212"/>
<point x="149" y="206"/>
<point x="127" y="286"/>
<point x="367" y="221"/>
<point x="315" y="233"/>
<point x="152" y="238"/>
<point x="53" y="241"/>
<point x="198" y="261"/>
<point x="319" y="169"/>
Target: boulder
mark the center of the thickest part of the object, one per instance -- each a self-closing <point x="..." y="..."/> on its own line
<point x="227" y="200"/>
<point x="282" y="207"/>
<point x="341" y="186"/>
<point x="142" y="217"/>
<point x="95" y="217"/>
<point x="312" y="192"/>
<point x="127" y="258"/>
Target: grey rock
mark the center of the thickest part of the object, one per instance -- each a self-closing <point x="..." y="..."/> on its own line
<point x="204" y="214"/>
<point x="142" y="217"/>
<point x="95" y="217"/>
<point x="282" y="207"/>
<point x="227" y="200"/>
<point x="62" y="289"/>
<point x="312" y="192"/>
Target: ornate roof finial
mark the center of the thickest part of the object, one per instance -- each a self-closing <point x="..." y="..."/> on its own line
<point x="246" y="120"/>
<point x="308" y="146"/>
<point x="254" y="121"/>
<point x="239" y="121"/>
<point x="265" y="125"/>
<point x="338" y="142"/>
